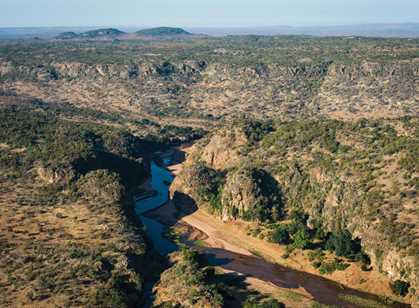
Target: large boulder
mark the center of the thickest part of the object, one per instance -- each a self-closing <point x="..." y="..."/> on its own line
<point x="252" y="194"/>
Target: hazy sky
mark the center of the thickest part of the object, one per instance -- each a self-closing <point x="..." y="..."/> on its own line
<point x="204" y="12"/>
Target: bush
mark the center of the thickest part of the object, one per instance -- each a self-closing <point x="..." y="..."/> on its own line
<point x="299" y="222"/>
<point x="400" y="287"/>
<point x="280" y="235"/>
<point x="301" y="239"/>
<point x="342" y="244"/>
<point x="330" y="267"/>
<point x="257" y="302"/>
<point x="316" y="255"/>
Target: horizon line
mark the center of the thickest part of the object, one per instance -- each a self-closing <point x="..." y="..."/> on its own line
<point x="218" y="27"/>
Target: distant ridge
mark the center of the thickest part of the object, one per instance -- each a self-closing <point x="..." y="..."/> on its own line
<point x="98" y="33"/>
<point x="392" y="30"/>
<point x="102" y="33"/>
<point x="163" y="31"/>
<point x="67" y="35"/>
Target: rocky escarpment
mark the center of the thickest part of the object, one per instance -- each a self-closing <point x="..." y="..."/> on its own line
<point x="211" y="89"/>
<point x="333" y="89"/>
<point x="322" y="169"/>
<point x="58" y="176"/>
<point x="117" y="72"/>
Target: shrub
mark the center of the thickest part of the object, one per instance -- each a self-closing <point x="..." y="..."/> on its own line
<point x="316" y="255"/>
<point x="330" y="267"/>
<point x="299" y="222"/>
<point x="280" y="235"/>
<point x="258" y="302"/>
<point x="301" y="239"/>
<point x="342" y="244"/>
<point x="400" y="287"/>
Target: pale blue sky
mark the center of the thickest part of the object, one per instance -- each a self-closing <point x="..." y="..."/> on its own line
<point x="217" y="13"/>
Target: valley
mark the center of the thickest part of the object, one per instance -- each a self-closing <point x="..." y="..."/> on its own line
<point x="166" y="169"/>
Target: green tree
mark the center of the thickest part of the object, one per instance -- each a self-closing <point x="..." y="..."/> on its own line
<point x="280" y="235"/>
<point x="301" y="239"/>
<point x="342" y="243"/>
<point x="255" y="302"/>
<point x="400" y="287"/>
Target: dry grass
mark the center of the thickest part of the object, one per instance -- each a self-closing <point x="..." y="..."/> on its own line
<point x="51" y="254"/>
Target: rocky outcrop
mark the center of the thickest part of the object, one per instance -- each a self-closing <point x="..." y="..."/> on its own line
<point x="116" y="72"/>
<point x="197" y="181"/>
<point x="250" y="193"/>
<point x="339" y="90"/>
<point x="101" y="185"/>
<point x="223" y="149"/>
<point x="58" y="176"/>
<point x="342" y="208"/>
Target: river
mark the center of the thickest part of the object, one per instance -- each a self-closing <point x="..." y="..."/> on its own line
<point x="160" y="181"/>
<point x="320" y="289"/>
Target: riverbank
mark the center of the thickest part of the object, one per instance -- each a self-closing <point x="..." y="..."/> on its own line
<point x="262" y="263"/>
<point x="231" y="249"/>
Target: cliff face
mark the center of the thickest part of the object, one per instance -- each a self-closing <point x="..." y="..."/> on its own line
<point x="202" y="89"/>
<point x="116" y="72"/>
<point x="250" y="193"/>
<point x="324" y="169"/>
<point x="222" y="151"/>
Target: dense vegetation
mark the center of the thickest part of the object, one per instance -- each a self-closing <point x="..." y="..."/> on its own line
<point x="238" y="50"/>
<point x="61" y="144"/>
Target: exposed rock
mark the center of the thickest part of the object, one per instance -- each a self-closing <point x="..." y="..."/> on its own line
<point x="250" y="192"/>
<point x="55" y="175"/>
<point x="335" y="201"/>
<point x="222" y="151"/>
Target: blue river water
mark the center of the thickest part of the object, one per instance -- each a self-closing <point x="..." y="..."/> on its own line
<point x="160" y="181"/>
